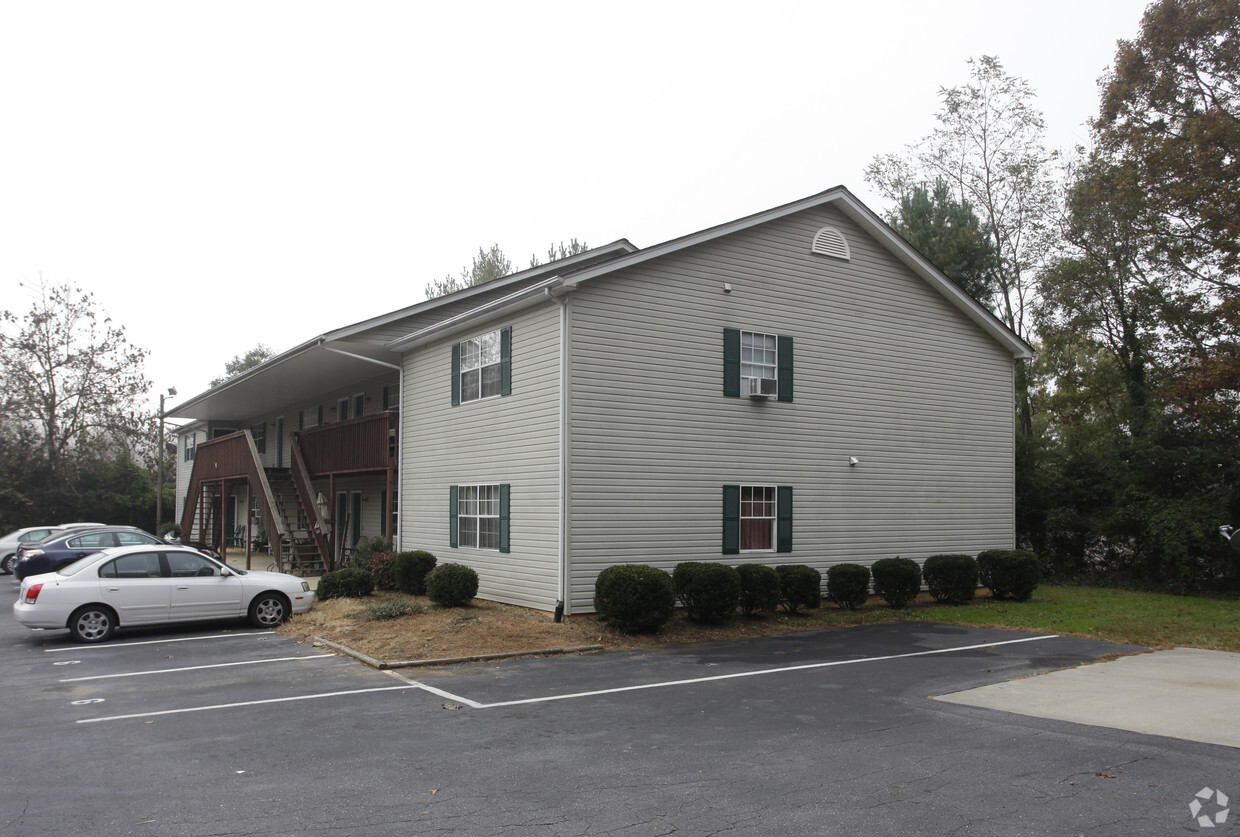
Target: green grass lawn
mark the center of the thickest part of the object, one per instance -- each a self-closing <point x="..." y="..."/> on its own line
<point x="1155" y="620"/>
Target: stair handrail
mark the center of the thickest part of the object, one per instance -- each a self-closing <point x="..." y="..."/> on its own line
<point x="305" y="491"/>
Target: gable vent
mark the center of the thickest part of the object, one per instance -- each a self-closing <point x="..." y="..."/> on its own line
<point x="829" y="241"/>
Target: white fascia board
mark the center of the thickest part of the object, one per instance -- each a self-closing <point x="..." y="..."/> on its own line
<point x="524" y="298"/>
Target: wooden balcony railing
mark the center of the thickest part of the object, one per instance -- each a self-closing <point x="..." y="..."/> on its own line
<point x="363" y="444"/>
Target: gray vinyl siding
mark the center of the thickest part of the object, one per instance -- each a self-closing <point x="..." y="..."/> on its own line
<point x="507" y="439"/>
<point x="886" y="370"/>
<point x="184" y="468"/>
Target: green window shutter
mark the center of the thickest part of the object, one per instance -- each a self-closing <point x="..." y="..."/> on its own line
<point x="456" y="376"/>
<point x="504" y="492"/>
<point x="783" y="357"/>
<point x="732" y="362"/>
<point x="320" y="414"/>
<point x="301" y="419"/>
<point x="383" y="513"/>
<point x="452" y="516"/>
<point x="731" y="519"/>
<point x="783" y="518"/>
<point x="505" y="361"/>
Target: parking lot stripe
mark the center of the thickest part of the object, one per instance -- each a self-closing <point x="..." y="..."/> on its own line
<point x="760" y="673"/>
<point x="77" y="647"/>
<point x="241" y="704"/>
<point x="194" y="668"/>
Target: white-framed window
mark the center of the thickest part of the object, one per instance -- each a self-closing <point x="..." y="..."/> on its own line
<point x="480" y="367"/>
<point x="310" y="417"/>
<point x="758" y="509"/>
<point x="477" y="516"/>
<point x="759" y="363"/>
<point x="342" y="409"/>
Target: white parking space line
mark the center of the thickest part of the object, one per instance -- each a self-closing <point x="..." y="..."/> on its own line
<point x="194" y="668"/>
<point x="735" y="676"/>
<point x="238" y="705"/>
<point x="84" y="647"/>
<point x="406" y="684"/>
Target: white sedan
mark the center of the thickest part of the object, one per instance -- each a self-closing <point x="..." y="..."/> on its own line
<point x="154" y="585"/>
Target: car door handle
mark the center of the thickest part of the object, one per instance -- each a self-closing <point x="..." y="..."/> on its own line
<point x="182" y="586"/>
<point x="113" y="589"/>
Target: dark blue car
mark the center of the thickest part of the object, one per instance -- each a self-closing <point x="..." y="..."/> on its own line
<point x="64" y="547"/>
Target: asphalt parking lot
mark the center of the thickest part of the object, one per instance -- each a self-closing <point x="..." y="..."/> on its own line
<point x="221" y="729"/>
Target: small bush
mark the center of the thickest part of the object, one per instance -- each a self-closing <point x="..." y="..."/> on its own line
<point x="951" y="579"/>
<point x="800" y="586"/>
<point x="375" y="555"/>
<point x="410" y="570"/>
<point x="1009" y="573"/>
<point x="897" y="580"/>
<point x="452" y="585"/>
<point x="634" y="598"/>
<point x="759" y="588"/>
<point x="349" y="583"/>
<point x="709" y="590"/>
<point x="393" y="610"/>
<point x="848" y="585"/>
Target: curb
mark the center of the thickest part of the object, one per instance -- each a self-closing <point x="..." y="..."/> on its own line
<point x="443" y="661"/>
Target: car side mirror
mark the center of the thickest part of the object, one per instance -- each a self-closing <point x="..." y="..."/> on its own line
<point x="225" y="572"/>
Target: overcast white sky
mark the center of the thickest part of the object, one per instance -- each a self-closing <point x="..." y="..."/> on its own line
<point x="224" y="173"/>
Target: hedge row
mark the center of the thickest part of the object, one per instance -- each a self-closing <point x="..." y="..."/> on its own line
<point x="637" y="598"/>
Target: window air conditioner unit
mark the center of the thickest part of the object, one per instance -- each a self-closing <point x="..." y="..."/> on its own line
<point x="762" y="387"/>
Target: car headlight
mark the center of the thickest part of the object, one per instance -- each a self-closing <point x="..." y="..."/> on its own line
<point x="305" y="587"/>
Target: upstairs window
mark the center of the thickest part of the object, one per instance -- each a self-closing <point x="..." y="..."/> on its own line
<point x="191" y="447"/>
<point x="482" y="367"/>
<point x="757" y="364"/>
<point x="259" y="433"/>
<point x="310" y="417"/>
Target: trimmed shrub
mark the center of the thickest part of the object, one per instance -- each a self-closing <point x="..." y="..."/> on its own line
<point x="393" y="610"/>
<point x="375" y="555"/>
<point x="951" y="579"/>
<point x="759" y="588"/>
<point x="410" y="570"/>
<point x="1009" y="573"/>
<point x="709" y="590"/>
<point x="800" y="586"/>
<point x="634" y="598"/>
<point x="452" y="585"/>
<point x="897" y="580"/>
<point x="349" y="583"/>
<point x="848" y="585"/>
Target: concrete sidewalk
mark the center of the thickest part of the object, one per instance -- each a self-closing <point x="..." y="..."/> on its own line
<point x="1184" y="693"/>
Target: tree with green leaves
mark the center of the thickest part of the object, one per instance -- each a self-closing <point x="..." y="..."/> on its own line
<point x="946" y="231"/>
<point x="241" y="363"/>
<point x="989" y="147"/>
<point x="1171" y="111"/>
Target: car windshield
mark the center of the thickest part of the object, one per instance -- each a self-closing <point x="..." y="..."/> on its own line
<point x="77" y="566"/>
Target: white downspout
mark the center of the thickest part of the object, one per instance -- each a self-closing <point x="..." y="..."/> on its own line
<point x="564" y="605"/>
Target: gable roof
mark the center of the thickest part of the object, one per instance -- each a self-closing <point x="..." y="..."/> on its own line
<point x="339" y="358"/>
<point x="839" y="197"/>
<point x="344" y="356"/>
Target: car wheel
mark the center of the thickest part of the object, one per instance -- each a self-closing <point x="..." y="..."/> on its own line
<point x="6" y="565"/>
<point x="92" y="623"/>
<point x="269" y="610"/>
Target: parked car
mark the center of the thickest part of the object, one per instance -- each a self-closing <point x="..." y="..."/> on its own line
<point x="10" y="542"/>
<point x="154" y="584"/>
<point x="68" y="545"/>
